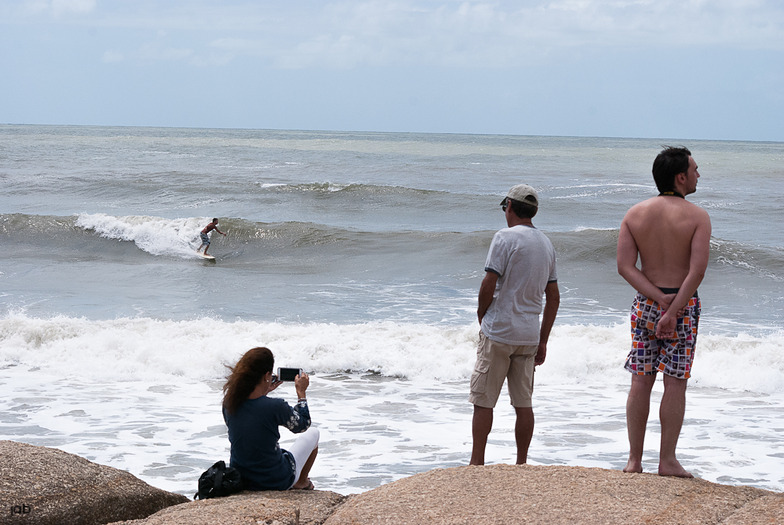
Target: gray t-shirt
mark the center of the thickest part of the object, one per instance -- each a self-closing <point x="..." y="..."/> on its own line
<point x="524" y="260"/>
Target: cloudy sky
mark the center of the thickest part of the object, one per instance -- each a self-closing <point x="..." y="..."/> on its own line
<point x="711" y="69"/>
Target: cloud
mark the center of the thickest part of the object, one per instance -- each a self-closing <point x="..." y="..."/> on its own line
<point x="536" y="66"/>
<point x="76" y="6"/>
<point x="60" y="7"/>
<point x="155" y="51"/>
<point x="351" y="34"/>
<point x="56" y="8"/>
<point x="111" y="57"/>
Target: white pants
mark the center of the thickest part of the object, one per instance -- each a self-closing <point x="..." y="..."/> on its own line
<point x="302" y="448"/>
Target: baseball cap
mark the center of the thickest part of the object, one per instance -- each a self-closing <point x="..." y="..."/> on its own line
<point x="523" y="193"/>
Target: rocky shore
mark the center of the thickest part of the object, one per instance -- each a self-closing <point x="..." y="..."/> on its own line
<point x="41" y="485"/>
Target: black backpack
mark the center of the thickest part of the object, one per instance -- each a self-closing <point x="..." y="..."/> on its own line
<point x="219" y="480"/>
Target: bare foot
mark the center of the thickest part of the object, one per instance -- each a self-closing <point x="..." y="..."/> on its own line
<point x="674" y="468"/>
<point x="307" y="485"/>
<point x="633" y="466"/>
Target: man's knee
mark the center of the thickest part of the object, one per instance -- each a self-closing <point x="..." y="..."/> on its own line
<point x="643" y="383"/>
<point x="675" y="384"/>
<point x="481" y="411"/>
<point x="483" y="417"/>
<point x="668" y="379"/>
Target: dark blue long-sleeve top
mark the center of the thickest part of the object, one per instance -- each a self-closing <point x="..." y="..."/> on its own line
<point x="254" y="436"/>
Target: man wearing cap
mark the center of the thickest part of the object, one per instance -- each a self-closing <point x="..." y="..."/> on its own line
<point x="519" y="271"/>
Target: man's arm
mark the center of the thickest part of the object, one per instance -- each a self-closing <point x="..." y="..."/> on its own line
<point x="486" y="292"/>
<point x="552" y="301"/>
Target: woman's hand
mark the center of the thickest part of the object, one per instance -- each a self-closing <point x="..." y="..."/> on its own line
<point x="274" y="383"/>
<point x="301" y="383"/>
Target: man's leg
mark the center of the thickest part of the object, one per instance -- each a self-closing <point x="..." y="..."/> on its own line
<point x="524" y="430"/>
<point x="637" y="408"/>
<point x="671" y="412"/>
<point x="480" y="429"/>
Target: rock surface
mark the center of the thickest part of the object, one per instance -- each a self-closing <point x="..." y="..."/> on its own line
<point x="48" y="486"/>
<point x="268" y="507"/>
<point x="556" y="495"/>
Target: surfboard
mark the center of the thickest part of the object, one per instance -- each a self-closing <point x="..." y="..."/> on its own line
<point x="208" y="257"/>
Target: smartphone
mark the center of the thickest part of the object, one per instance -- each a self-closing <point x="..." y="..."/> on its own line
<point x="288" y="374"/>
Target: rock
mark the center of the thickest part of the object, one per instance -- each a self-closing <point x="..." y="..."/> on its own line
<point x="555" y="495"/>
<point x="767" y="509"/>
<point x="268" y="507"/>
<point x="48" y="486"/>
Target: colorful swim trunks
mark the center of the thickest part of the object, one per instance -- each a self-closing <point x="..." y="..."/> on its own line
<point x="649" y="355"/>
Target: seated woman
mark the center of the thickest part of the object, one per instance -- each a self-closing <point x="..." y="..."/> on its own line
<point x="253" y="420"/>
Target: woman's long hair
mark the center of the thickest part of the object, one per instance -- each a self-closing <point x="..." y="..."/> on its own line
<point x="245" y="375"/>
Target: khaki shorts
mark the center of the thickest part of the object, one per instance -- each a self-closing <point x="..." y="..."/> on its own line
<point x="496" y="362"/>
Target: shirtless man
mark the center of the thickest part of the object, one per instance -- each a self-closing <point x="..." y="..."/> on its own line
<point x="671" y="237"/>
<point x="205" y="238"/>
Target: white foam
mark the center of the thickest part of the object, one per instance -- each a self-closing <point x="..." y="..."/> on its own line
<point x="144" y="395"/>
<point x="138" y="348"/>
<point x="154" y="235"/>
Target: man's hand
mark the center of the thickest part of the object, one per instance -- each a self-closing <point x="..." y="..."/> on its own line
<point x="665" y="300"/>
<point x="541" y="354"/>
<point x="665" y="328"/>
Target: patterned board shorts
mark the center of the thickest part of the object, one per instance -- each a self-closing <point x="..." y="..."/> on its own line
<point x="649" y="355"/>
<point x="205" y="238"/>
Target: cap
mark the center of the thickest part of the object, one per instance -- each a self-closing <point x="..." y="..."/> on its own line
<point x="523" y="193"/>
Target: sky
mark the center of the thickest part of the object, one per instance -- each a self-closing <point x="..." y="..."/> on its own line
<point x="694" y="69"/>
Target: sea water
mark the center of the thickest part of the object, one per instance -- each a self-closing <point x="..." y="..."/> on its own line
<point x="358" y="257"/>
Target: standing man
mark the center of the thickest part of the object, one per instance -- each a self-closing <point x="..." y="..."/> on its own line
<point x="520" y="269"/>
<point x="671" y="236"/>
<point x="205" y="238"/>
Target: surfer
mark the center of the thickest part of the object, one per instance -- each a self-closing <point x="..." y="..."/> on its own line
<point x="671" y="237"/>
<point x="205" y="238"/>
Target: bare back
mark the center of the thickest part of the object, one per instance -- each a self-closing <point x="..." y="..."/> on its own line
<point x="663" y="229"/>
<point x="672" y="238"/>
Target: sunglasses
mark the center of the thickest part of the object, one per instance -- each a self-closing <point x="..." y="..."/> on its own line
<point x="504" y="204"/>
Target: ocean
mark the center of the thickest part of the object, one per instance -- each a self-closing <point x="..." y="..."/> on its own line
<point x="358" y="257"/>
